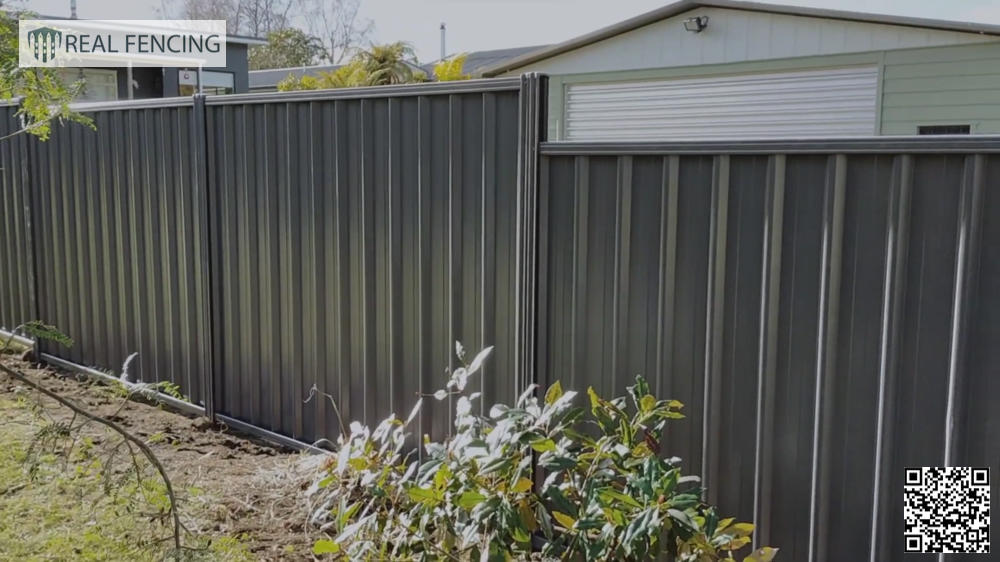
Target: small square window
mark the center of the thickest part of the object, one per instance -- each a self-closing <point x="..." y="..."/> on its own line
<point x="944" y="129"/>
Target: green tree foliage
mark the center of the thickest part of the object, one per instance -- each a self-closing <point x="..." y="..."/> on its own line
<point x="378" y="66"/>
<point x="286" y="47"/>
<point x="604" y="490"/>
<point x="44" y="95"/>
<point x="389" y="64"/>
<point x="451" y="69"/>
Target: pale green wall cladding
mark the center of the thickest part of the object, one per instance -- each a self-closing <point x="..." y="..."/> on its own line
<point x="926" y="86"/>
<point x="942" y="85"/>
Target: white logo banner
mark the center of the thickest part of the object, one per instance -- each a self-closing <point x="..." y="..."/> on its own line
<point x="122" y="43"/>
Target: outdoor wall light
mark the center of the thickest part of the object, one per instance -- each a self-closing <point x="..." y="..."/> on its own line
<point x="696" y="24"/>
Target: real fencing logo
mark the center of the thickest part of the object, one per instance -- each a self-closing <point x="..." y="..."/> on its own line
<point x="44" y="42"/>
<point x="122" y="43"/>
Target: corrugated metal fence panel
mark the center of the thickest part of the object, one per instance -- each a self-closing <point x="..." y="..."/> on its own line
<point x="357" y="237"/>
<point x="821" y="316"/>
<point x="121" y="226"/>
<point x="815" y="103"/>
<point x="16" y="271"/>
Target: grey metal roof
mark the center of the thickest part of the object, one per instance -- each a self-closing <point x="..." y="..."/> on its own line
<point x="477" y="61"/>
<point x="687" y="5"/>
<point x="269" y="78"/>
<point x="245" y="39"/>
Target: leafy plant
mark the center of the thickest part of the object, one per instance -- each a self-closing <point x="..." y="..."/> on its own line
<point x="451" y="69"/>
<point x="602" y="489"/>
<point x="40" y="331"/>
<point x="378" y="66"/>
<point x="44" y="95"/>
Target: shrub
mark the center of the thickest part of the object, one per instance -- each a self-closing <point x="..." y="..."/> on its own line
<point x="451" y="69"/>
<point x="602" y="489"/>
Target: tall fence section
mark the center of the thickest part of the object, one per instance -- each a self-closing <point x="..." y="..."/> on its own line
<point x="827" y="311"/>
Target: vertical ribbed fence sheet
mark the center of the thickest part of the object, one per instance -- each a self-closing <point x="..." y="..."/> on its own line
<point x="357" y="235"/>
<point x="17" y="299"/>
<point x="828" y="314"/>
<point x="120" y="226"/>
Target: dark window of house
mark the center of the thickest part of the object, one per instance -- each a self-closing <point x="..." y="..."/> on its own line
<point x="944" y="129"/>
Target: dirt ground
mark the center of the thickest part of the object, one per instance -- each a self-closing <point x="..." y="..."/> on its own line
<point x="234" y="488"/>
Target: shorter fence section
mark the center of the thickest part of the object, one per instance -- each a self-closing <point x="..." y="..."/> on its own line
<point x="827" y="313"/>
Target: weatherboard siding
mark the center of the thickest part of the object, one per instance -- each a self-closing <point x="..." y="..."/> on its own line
<point x="957" y="85"/>
<point x="926" y="86"/>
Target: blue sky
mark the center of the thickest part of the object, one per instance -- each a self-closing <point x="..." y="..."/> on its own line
<point x="492" y="24"/>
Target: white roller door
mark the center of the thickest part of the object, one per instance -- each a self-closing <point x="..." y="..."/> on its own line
<point x="816" y="103"/>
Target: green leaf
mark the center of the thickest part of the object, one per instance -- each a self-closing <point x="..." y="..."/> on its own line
<point x="544" y="520"/>
<point x="519" y="534"/>
<point x="543" y="445"/>
<point x="526" y="516"/>
<point x="610" y="495"/>
<point x="522" y="485"/>
<point x="324" y="546"/>
<point x="647" y="403"/>
<point x="469" y="500"/>
<point x="559" y="500"/>
<point x="595" y="400"/>
<point x="423" y="495"/>
<point x="740" y="529"/>
<point x="765" y="554"/>
<point x="553" y="393"/>
<point x="683" y="518"/>
<point x="563" y="519"/>
<point x="556" y="462"/>
<point x="495" y="465"/>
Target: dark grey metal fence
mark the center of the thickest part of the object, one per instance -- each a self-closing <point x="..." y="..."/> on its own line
<point x="120" y="216"/>
<point x="358" y="235"/>
<point x="17" y="298"/>
<point x="827" y="313"/>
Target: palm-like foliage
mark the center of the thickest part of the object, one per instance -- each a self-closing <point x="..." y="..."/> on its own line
<point x="388" y="64"/>
<point x="380" y="65"/>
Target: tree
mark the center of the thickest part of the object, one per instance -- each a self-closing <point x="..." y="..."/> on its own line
<point x="338" y="26"/>
<point x="260" y="18"/>
<point x="286" y="47"/>
<point x="44" y="96"/>
<point x="335" y="23"/>
<point x="228" y="10"/>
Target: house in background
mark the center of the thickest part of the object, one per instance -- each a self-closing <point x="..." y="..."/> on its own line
<point x="267" y="80"/>
<point x="103" y="84"/>
<point x="724" y="69"/>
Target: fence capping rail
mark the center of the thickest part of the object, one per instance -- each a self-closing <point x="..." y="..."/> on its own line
<point x="937" y="144"/>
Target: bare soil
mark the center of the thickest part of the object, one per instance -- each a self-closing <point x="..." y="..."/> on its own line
<point x="248" y="489"/>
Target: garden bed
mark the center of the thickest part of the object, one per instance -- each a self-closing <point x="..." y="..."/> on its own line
<point x="239" y="498"/>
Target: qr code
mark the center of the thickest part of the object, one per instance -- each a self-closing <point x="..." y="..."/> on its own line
<point x="947" y="510"/>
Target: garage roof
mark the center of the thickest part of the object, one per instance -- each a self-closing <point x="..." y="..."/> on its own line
<point x="674" y="9"/>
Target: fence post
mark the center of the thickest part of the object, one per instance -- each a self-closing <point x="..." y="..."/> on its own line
<point x="204" y="207"/>
<point x="531" y="131"/>
<point x="27" y="161"/>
